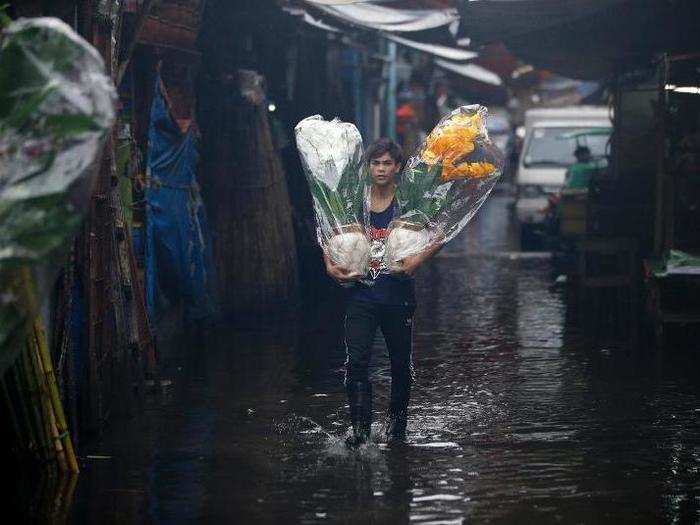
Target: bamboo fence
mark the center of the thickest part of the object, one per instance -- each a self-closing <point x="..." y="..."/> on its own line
<point x="32" y="396"/>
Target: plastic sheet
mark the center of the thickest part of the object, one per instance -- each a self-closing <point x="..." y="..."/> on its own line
<point x="56" y="107"/>
<point x="179" y="264"/>
<point x="443" y="185"/>
<point x="331" y="154"/>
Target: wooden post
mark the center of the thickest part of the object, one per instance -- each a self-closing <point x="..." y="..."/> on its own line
<point x="661" y="201"/>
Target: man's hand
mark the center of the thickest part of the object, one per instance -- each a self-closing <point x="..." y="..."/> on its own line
<point x="410" y="264"/>
<point x="338" y="273"/>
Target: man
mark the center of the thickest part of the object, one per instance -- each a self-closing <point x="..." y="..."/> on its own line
<point x="578" y="175"/>
<point x="380" y="301"/>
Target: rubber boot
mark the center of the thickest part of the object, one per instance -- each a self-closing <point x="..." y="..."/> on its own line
<point x="398" y="413"/>
<point x="360" y="399"/>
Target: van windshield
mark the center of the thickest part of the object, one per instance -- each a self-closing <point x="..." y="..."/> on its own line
<point x="555" y="146"/>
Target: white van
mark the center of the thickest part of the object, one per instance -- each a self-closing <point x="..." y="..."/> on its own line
<point x="548" y="150"/>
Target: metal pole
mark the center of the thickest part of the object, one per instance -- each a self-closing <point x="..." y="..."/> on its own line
<point x="391" y="90"/>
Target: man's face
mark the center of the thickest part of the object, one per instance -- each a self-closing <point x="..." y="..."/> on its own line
<point x="383" y="169"/>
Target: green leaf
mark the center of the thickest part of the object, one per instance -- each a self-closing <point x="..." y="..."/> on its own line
<point x="4" y="19"/>
<point x="66" y="125"/>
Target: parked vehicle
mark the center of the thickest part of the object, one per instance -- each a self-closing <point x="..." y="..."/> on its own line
<point x="551" y="137"/>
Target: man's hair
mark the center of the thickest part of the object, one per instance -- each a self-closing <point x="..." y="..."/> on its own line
<point x="582" y="151"/>
<point x="381" y="146"/>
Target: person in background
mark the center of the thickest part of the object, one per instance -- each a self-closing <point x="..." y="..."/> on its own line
<point x="579" y="173"/>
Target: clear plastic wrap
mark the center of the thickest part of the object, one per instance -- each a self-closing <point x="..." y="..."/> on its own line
<point x="331" y="154"/>
<point x="443" y="185"/>
<point x="56" y="107"/>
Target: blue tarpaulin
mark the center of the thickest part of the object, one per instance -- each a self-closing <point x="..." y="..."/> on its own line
<point x="178" y="251"/>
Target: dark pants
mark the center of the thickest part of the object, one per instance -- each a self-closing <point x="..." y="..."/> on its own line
<point x="396" y="322"/>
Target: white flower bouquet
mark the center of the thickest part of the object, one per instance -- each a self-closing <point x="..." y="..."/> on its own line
<point x="331" y="154"/>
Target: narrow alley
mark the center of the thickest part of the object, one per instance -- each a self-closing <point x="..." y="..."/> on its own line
<point x="350" y="261"/>
<point x="513" y="419"/>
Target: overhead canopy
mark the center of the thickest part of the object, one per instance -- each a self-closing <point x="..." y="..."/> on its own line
<point x="425" y="22"/>
<point x="446" y="52"/>
<point x="381" y="17"/>
<point x="471" y="71"/>
<point x="417" y="40"/>
<point x="585" y="39"/>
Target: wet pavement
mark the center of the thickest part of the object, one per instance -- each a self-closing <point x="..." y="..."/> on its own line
<point x="513" y="418"/>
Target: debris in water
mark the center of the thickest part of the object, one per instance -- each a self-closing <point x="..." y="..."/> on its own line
<point x="438" y="497"/>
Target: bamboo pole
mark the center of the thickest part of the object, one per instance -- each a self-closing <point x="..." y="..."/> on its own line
<point x="64" y="498"/>
<point x="48" y="419"/>
<point x="38" y="391"/>
<point x="28" y="374"/>
<point x="61" y="456"/>
<point x="26" y="384"/>
<point x="57" y="415"/>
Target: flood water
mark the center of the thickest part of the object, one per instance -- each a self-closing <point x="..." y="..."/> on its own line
<point x="514" y="419"/>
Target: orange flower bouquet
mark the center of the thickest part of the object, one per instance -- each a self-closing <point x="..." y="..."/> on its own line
<point x="443" y="185"/>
